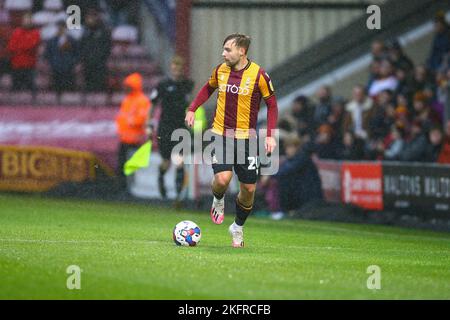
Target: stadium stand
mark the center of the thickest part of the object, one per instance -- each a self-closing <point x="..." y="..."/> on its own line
<point x="127" y="56"/>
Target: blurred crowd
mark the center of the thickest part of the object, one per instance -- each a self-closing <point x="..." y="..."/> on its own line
<point x="30" y="28"/>
<point x="400" y="114"/>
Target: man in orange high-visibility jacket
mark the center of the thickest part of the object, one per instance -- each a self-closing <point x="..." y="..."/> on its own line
<point x="132" y="121"/>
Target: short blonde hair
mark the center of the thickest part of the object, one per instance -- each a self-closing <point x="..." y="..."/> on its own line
<point x="241" y="40"/>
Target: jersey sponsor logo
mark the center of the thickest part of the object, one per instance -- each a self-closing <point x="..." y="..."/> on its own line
<point x="234" y="89"/>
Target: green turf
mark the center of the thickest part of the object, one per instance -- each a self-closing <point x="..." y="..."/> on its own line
<point x="126" y="252"/>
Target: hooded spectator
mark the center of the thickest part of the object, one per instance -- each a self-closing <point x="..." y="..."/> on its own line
<point x="132" y="120"/>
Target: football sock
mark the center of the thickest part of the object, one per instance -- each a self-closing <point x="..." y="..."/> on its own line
<point x="162" y="187"/>
<point x="179" y="179"/>
<point x="242" y="213"/>
<point x="218" y="196"/>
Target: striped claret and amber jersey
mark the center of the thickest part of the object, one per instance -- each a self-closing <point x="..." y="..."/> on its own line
<point x="239" y="98"/>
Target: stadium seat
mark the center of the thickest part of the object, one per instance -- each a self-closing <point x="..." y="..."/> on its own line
<point x="22" y="98"/>
<point x="125" y="34"/>
<point x="96" y="99"/>
<point x="5" y="98"/>
<point x="18" y="5"/>
<point x="71" y="98"/>
<point x="136" y="51"/>
<point x="42" y="66"/>
<point x="46" y="99"/>
<point x="6" y="82"/>
<point x="42" y="81"/>
<point x="116" y="98"/>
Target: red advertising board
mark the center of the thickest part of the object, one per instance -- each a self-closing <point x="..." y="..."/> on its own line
<point x="362" y="184"/>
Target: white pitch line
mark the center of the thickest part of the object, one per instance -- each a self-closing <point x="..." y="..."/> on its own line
<point x="258" y="247"/>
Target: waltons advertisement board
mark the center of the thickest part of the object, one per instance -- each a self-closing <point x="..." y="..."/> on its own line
<point x="416" y="186"/>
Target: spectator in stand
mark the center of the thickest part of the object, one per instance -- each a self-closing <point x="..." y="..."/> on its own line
<point x="5" y="34"/>
<point x="326" y="145"/>
<point x="386" y="79"/>
<point x="298" y="178"/>
<point x="395" y="143"/>
<point x="402" y="110"/>
<point x="398" y="58"/>
<point x="95" y="50"/>
<point x="62" y="53"/>
<point x="358" y="112"/>
<point x="378" y="50"/>
<point x="404" y="78"/>
<point x="444" y="155"/>
<point x="353" y="147"/>
<point x="382" y="116"/>
<point x="374" y="71"/>
<point x="301" y="112"/>
<point x="435" y="143"/>
<point x="421" y="79"/>
<point x="415" y="148"/>
<point x="442" y="81"/>
<point x="441" y="42"/>
<point x="23" y="47"/>
<point x="423" y="112"/>
<point x="337" y="116"/>
<point x="379" y="53"/>
<point x="323" y="108"/>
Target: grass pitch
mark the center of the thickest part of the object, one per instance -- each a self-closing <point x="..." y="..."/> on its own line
<point x="126" y="251"/>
